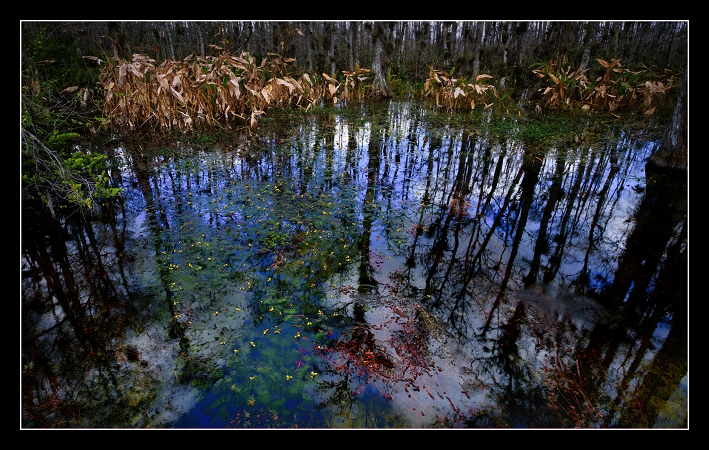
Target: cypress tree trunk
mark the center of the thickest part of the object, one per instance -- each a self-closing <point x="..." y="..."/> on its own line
<point x="200" y="40"/>
<point x="321" y="56"/>
<point x="350" y="45"/>
<point x="117" y="39"/>
<point x="308" y="43"/>
<point x="379" y="86"/>
<point x="171" y="45"/>
<point x="331" y="52"/>
<point x="672" y="152"/>
<point x="588" y="41"/>
<point x="615" y="36"/>
<point x="476" y="53"/>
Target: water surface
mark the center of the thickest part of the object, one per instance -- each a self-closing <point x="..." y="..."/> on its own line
<point x="387" y="267"/>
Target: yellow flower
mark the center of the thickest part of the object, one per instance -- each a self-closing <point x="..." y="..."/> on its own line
<point x="236" y="350"/>
<point x="253" y="345"/>
<point x="288" y="377"/>
<point x="265" y="331"/>
<point x="312" y="374"/>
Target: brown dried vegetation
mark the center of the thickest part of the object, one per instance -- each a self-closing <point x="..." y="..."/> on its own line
<point x="453" y="92"/>
<point x="200" y="91"/>
<point x="617" y="88"/>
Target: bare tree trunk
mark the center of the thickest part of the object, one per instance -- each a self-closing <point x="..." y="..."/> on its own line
<point x="506" y="41"/>
<point x="588" y="41"/>
<point x="321" y="56"/>
<point x="629" y="31"/>
<point x="350" y="45"/>
<point x="454" y="43"/>
<point x="308" y="32"/>
<point x="200" y="39"/>
<point x="118" y="38"/>
<point x="445" y="36"/>
<point x="268" y="34"/>
<point x="423" y="38"/>
<point x="615" y="31"/>
<point x="171" y="45"/>
<point x="523" y="35"/>
<point x="331" y="53"/>
<point x="476" y="53"/>
<point x="672" y="152"/>
<point x="669" y="34"/>
<point x="379" y="85"/>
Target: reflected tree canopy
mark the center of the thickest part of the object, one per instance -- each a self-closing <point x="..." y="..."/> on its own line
<point x="382" y="267"/>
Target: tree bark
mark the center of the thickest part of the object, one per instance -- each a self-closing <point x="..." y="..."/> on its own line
<point x="331" y="53"/>
<point x="478" y="40"/>
<point x="307" y="30"/>
<point x="118" y="38"/>
<point x="350" y="45"/>
<point x="379" y="86"/>
<point x="321" y="56"/>
<point x="200" y="40"/>
<point x="588" y="41"/>
<point x="672" y="152"/>
<point x="171" y="45"/>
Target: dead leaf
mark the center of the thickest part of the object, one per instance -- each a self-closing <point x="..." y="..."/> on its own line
<point x="121" y="74"/>
<point x="135" y="71"/>
<point x="290" y="87"/>
<point x="177" y="94"/>
<point x="328" y="78"/>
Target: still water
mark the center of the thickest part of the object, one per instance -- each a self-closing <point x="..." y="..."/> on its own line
<point x="387" y="267"/>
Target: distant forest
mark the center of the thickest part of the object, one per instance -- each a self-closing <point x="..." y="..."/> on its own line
<point x="78" y="78"/>
<point x="404" y="49"/>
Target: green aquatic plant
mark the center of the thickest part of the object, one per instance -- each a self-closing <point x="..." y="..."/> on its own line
<point x="275" y="239"/>
<point x="550" y="130"/>
<point x="79" y="179"/>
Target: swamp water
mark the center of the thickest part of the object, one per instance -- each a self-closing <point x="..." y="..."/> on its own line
<point x="389" y="267"/>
